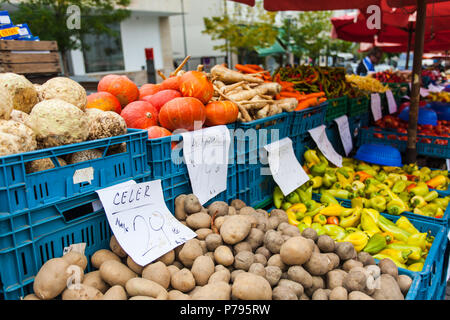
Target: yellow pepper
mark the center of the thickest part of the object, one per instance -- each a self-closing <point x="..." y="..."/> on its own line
<point x="405" y="224"/>
<point x="296" y="211"/>
<point x="307" y="220"/>
<point x="332" y="210"/>
<point x="320" y="218"/>
<point x="400" y="256"/>
<point x="418" y="240"/>
<point x="380" y="256"/>
<point x="368" y="223"/>
<point x="416" y="267"/>
<point x="358" y="238"/>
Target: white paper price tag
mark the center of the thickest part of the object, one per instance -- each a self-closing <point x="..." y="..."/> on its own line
<point x="448" y="164"/>
<point x="392" y="104"/>
<point x="206" y="156"/>
<point x="141" y="222"/>
<point x="320" y="137"/>
<point x="375" y="105"/>
<point x="424" y="92"/>
<point x="286" y="170"/>
<point x="345" y="134"/>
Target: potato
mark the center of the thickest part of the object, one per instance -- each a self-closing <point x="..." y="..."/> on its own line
<point x="145" y="287"/>
<point x="213" y="291"/>
<point x="51" y="279"/>
<point x="235" y="229"/>
<point x="141" y="298"/>
<point x="248" y="286"/>
<point x="276" y="261"/>
<point x="345" y="251"/>
<point x="232" y="211"/>
<point x="358" y="295"/>
<point x="315" y="248"/>
<point x="134" y="266"/>
<point x="280" y="214"/>
<point x="296" y="251"/>
<point x="310" y="233"/>
<point x="300" y="275"/>
<point x="283" y="293"/>
<point x="115" y="293"/>
<point x="31" y="296"/>
<point x="373" y="270"/>
<point x="190" y="251"/>
<point x="114" y="272"/>
<point x="158" y="273"/>
<point x="202" y="233"/>
<point x="203" y="246"/>
<point x="82" y="292"/>
<point x="178" y="264"/>
<point x="221" y="275"/>
<point x="77" y="258"/>
<point x="116" y="248"/>
<point x="93" y="279"/>
<point x="282" y="226"/>
<point x="172" y="270"/>
<point x="242" y="246"/>
<point x="103" y="255"/>
<point x="291" y="230"/>
<point x="243" y="260"/>
<point x="296" y="287"/>
<point x="404" y="282"/>
<point x="76" y="274"/>
<point x="237" y="204"/>
<point x="317" y="283"/>
<point x="350" y="264"/>
<point x="264" y="251"/>
<point x="180" y="214"/>
<point x="319" y="294"/>
<point x="262" y="223"/>
<point x="219" y="221"/>
<point x="273" y="275"/>
<point x="202" y="269"/>
<point x="273" y="222"/>
<point x="338" y="293"/>
<point x="247" y="211"/>
<point x="304" y="297"/>
<point x="334" y="260"/>
<point x="213" y="241"/>
<point x="273" y="241"/>
<point x="183" y="280"/>
<point x="177" y="295"/>
<point x="191" y="204"/>
<point x="365" y="258"/>
<point x="388" y="288"/>
<point x="218" y="208"/>
<point x="318" y="264"/>
<point x="235" y="273"/>
<point x="387" y="266"/>
<point x="355" y="280"/>
<point x="325" y="243"/>
<point x="198" y="220"/>
<point x="168" y="258"/>
<point x="255" y="238"/>
<point x="258" y="269"/>
<point x="259" y="258"/>
<point x="223" y="255"/>
<point x="335" y="278"/>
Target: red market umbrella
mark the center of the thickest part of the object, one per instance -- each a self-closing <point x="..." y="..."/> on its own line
<point x="308" y="5"/>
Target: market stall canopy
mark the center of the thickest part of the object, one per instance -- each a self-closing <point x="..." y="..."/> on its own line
<point x="275" y="49"/>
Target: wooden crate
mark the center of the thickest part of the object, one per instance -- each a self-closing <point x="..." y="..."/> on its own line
<point x="29" y="57"/>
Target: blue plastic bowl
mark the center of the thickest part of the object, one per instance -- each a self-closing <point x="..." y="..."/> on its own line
<point x="442" y="110"/>
<point x="379" y="154"/>
<point x="426" y="116"/>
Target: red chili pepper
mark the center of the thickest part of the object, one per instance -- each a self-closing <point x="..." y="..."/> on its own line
<point x="333" y="220"/>
<point x="412" y="185"/>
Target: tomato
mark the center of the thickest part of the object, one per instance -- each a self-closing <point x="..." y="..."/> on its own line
<point x="378" y="135"/>
<point x="392" y="137"/>
<point x="427" y="127"/>
<point x="425" y="140"/>
<point x="333" y="220"/>
<point x="403" y="138"/>
<point x="402" y="130"/>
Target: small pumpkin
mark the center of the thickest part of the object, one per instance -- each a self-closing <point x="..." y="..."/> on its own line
<point x="125" y="90"/>
<point x="140" y="115"/>
<point x="197" y="85"/>
<point x="159" y="132"/>
<point x="148" y="90"/>
<point x="104" y="101"/>
<point x="172" y="83"/>
<point x="162" y="97"/>
<point x="221" y="112"/>
<point x="182" y="113"/>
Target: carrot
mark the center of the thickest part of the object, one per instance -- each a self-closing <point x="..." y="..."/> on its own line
<point x="242" y="68"/>
<point x="255" y="66"/>
<point x="316" y="95"/>
<point x="310" y="102"/>
<point x="290" y="94"/>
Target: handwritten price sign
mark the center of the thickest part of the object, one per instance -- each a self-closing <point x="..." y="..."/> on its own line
<point x="141" y="222"/>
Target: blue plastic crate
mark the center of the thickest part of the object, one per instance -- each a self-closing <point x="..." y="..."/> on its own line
<point x="166" y="161"/>
<point x="178" y="184"/>
<point x="334" y="137"/>
<point x="20" y="190"/>
<point x="307" y="119"/>
<point x="301" y="143"/>
<point x="356" y="124"/>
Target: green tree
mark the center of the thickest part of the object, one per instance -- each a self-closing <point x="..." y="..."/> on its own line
<point x="336" y="45"/>
<point x="243" y="30"/>
<point x="310" y="33"/>
<point x="51" y="20"/>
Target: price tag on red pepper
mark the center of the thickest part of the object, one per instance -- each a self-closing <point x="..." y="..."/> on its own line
<point x="320" y="137"/>
<point x="344" y="132"/>
<point x="375" y="105"/>
<point x="392" y="104"/>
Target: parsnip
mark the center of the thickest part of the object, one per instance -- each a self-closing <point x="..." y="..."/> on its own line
<point x="287" y="104"/>
<point x="229" y="76"/>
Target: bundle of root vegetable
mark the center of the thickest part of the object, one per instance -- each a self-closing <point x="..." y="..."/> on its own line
<point x="254" y="96"/>
<point x="240" y="253"/>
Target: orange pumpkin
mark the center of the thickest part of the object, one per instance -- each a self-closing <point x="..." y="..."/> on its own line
<point x="104" y="101"/>
<point x="162" y="97"/>
<point x="159" y="132"/>
<point x="148" y="90"/>
<point x="221" y="112"/>
<point x="140" y="115"/>
<point x="182" y="113"/>
<point x="121" y="87"/>
<point x="172" y="83"/>
<point x="195" y="84"/>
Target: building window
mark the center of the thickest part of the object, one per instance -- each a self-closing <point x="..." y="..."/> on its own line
<point x="104" y="52"/>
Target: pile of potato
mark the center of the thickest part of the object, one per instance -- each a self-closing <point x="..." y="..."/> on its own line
<point x="239" y="253"/>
